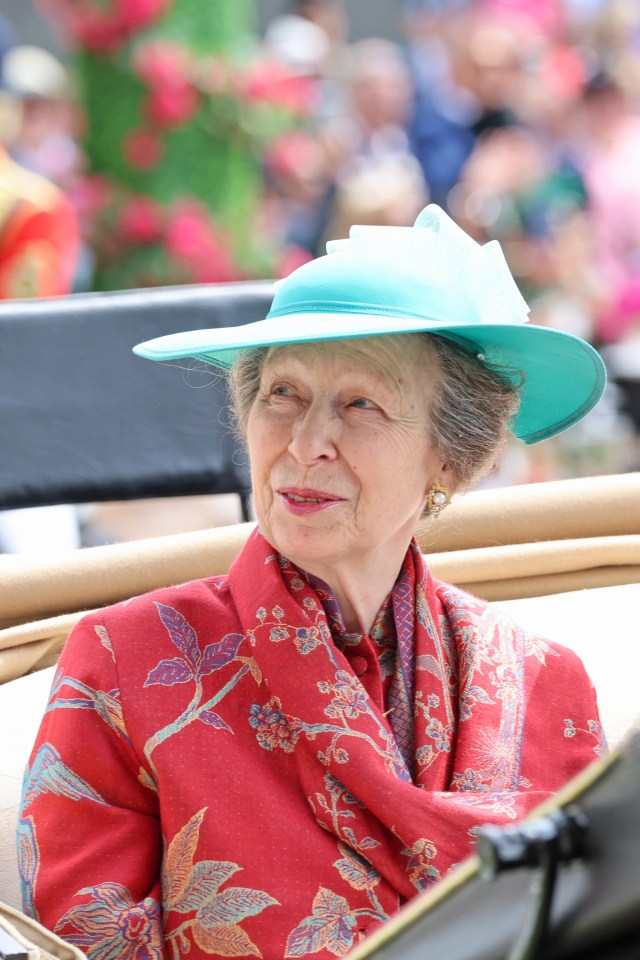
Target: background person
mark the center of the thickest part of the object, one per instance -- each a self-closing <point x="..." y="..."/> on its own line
<point x="39" y="242"/>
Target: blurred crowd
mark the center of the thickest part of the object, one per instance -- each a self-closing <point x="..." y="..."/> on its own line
<point x="520" y="117"/>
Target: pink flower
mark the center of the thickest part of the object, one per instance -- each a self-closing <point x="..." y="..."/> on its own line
<point x="172" y="105"/>
<point x="217" y="268"/>
<point x="96" y="30"/>
<point x="189" y="231"/>
<point x="136" y="14"/>
<point x="140" y="220"/>
<point x="92" y="195"/>
<point x="142" y="149"/>
<point x="269" y="81"/>
<point x="214" y="75"/>
<point x="291" y="153"/>
<point x="103" y="26"/>
<point x="165" y="68"/>
<point x="193" y="239"/>
<point x="159" y="63"/>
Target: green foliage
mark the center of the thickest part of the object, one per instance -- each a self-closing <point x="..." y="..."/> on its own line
<point x="180" y="107"/>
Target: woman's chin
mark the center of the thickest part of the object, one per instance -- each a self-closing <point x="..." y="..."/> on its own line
<point x="305" y="542"/>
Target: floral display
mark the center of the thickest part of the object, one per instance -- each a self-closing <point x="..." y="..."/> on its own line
<point x="182" y="107"/>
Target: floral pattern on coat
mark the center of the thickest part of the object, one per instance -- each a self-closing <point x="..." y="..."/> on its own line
<point x="216" y="730"/>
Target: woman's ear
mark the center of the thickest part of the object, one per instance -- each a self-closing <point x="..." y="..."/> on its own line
<point x="448" y="479"/>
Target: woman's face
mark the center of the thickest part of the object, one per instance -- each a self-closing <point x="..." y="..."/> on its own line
<point x="340" y="450"/>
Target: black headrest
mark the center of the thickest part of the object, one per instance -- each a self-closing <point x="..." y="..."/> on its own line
<point x="83" y="419"/>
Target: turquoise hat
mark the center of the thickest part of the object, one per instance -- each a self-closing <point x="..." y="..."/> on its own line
<point x="430" y="277"/>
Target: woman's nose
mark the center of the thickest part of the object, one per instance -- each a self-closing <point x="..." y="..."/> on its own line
<point x="312" y="436"/>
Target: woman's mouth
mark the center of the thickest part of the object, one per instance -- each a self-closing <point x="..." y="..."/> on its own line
<point x="306" y="501"/>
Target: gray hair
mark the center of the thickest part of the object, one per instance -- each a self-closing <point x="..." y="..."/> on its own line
<point x="471" y="409"/>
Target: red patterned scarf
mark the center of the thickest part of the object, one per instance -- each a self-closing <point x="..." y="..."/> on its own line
<point x="468" y="701"/>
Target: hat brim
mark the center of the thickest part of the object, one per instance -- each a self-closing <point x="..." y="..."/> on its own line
<point x="564" y="376"/>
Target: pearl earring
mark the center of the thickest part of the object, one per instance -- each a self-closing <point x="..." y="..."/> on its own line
<point x="437" y="498"/>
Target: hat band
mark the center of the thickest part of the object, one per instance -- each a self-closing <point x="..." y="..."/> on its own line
<point x="366" y="309"/>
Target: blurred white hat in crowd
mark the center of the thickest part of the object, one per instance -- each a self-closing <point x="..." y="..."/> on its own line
<point x="31" y="72"/>
<point x="298" y="43"/>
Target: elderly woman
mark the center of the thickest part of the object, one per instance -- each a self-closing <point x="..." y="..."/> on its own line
<point x="271" y="762"/>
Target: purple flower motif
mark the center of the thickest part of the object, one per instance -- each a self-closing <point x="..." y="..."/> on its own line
<point x="272" y="728"/>
<point x="387" y="661"/>
<point x="307" y="639"/>
<point x="113" y="924"/>
<point x="338" y="789"/>
<point x="440" y="735"/>
<point x="466" y="706"/>
<point x="425" y="755"/>
<point x="395" y="763"/>
<point x="469" y="782"/>
<point x="349" y="701"/>
<point x="507" y="675"/>
<point x="597" y="730"/>
<point x="278" y="633"/>
<point x="331" y="927"/>
<point x="420" y="868"/>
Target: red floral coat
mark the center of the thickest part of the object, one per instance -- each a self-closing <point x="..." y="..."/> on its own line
<point x="217" y="773"/>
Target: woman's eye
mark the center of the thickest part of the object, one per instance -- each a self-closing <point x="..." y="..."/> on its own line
<point x="281" y="390"/>
<point x="361" y="403"/>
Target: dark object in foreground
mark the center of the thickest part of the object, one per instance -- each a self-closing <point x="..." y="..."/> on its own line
<point x="593" y="899"/>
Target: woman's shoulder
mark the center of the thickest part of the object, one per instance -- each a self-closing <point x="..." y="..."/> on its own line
<point x="141" y="621"/>
<point x="455" y="598"/>
<point x="495" y="625"/>
<point x="463" y="609"/>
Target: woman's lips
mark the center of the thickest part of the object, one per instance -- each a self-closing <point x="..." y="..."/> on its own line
<point x="303" y="501"/>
